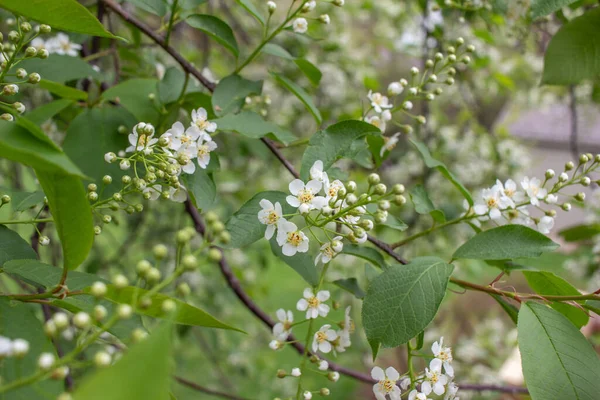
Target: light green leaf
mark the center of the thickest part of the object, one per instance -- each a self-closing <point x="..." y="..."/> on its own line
<point x="558" y="361"/>
<point x="72" y="215"/>
<point x="252" y="125"/>
<point x="215" y="28"/>
<point x="301" y="95"/>
<point x="231" y="92"/>
<point x="573" y="54"/>
<point x="403" y="300"/>
<point x="366" y="253"/>
<point x="334" y="143"/>
<point x="350" y="285"/>
<point x="133" y="95"/>
<point x="65" y="15"/>
<point x="541" y="8"/>
<point x="395" y="223"/>
<point x="156" y="7"/>
<point x="309" y="69"/>
<point x="201" y="188"/>
<point x="22" y="201"/>
<point x="424" y="205"/>
<point x="580" y="232"/>
<point x="144" y="372"/>
<point x="302" y="263"/>
<point x="43" y="113"/>
<point x="13" y="246"/>
<point x="63" y="91"/>
<point x="60" y="68"/>
<point x="505" y="243"/>
<point x="546" y="283"/>
<point x="440" y="166"/>
<point x="171" y="86"/>
<point x="277" y="51"/>
<point x="247" y="4"/>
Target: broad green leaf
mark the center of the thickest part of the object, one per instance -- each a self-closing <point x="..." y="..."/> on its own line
<point x="580" y="232"/>
<point x="63" y="91"/>
<point x="366" y="253"/>
<point x="573" y="54"/>
<point x="592" y="305"/>
<point x="231" y="92"/>
<point x="277" y="51"/>
<point x="144" y="372"/>
<point x="191" y="4"/>
<point x="86" y="147"/>
<point x="350" y="285"/>
<point x="22" y="201"/>
<point x="250" y="124"/>
<point x="244" y="226"/>
<point x="43" y="113"/>
<point x="395" y="223"/>
<point x="60" y="68"/>
<point x="334" y="143"/>
<point x="424" y="205"/>
<point x="215" y="28"/>
<point x="18" y="320"/>
<point x="247" y="4"/>
<point x="301" y="95"/>
<point x="546" y="283"/>
<point x="558" y="361"/>
<point x="505" y="243"/>
<point x="309" y="69"/>
<point x="403" y="300"/>
<point x="510" y="309"/>
<point x="171" y="86"/>
<point x="185" y="314"/>
<point x="156" y="7"/>
<point x="440" y="166"/>
<point x="72" y="215"/>
<point x="65" y="15"/>
<point x="302" y="263"/>
<point x="201" y="188"/>
<point x="13" y="246"/>
<point x="371" y="272"/>
<point x="36" y="131"/>
<point x="19" y="144"/>
<point x="195" y="100"/>
<point x="541" y="8"/>
<point x="134" y="96"/>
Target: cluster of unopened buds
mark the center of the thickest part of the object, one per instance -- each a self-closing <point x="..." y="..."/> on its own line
<point x="17" y="348"/>
<point x="425" y="85"/>
<point x="338" y="206"/>
<point x="18" y="47"/>
<point x="512" y="203"/>
<point x="300" y="24"/>
<point x="437" y="380"/>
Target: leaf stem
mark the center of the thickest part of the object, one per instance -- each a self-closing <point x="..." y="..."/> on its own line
<point x="26" y="221"/>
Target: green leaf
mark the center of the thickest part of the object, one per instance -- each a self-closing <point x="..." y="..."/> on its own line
<point x="63" y="91"/>
<point x="171" y="86"/>
<point x="440" y="166"/>
<point x="216" y="29"/>
<point x="277" y="51"/>
<point x="309" y="69"/>
<point x="395" y="223"/>
<point x="366" y="253"/>
<point x="247" y="4"/>
<point x="13" y="246"/>
<point x="60" y="68"/>
<point x="511" y="310"/>
<point x="301" y="95"/>
<point x="22" y="201"/>
<point x="558" y="361"/>
<point x="541" y="8"/>
<point x="144" y="372"/>
<point x="156" y="7"/>
<point x="505" y="243"/>
<point x="403" y="300"/>
<point x="45" y="112"/>
<point x="19" y="144"/>
<point x="302" y="263"/>
<point x="252" y="125"/>
<point x="201" y="188"/>
<point x="72" y="215"/>
<point x="573" y="54"/>
<point x="580" y="232"/>
<point x="334" y="143"/>
<point x="64" y="15"/>
<point x="18" y="320"/>
<point x="231" y="92"/>
<point x="546" y="283"/>
<point x="244" y="226"/>
<point x="424" y="205"/>
<point x="133" y="95"/>
<point x="195" y="100"/>
<point x="350" y="285"/>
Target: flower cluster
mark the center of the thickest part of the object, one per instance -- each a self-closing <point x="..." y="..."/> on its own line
<point x="60" y="44"/>
<point x="300" y="24"/>
<point x="321" y="202"/>
<point x="437" y="379"/>
<point x="513" y="203"/>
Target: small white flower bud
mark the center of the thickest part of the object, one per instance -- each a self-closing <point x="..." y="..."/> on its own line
<point x="296" y="372"/>
<point x="138" y="335"/>
<point x="395" y="88"/>
<point x="327" y="210"/>
<point x="304" y="209"/>
<point x="124" y="311"/>
<point x="50" y="328"/>
<point x="60" y="373"/>
<point x="569" y="166"/>
<point x="189" y="262"/>
<point x="20" y="347"/>
<point x="44" y="240"/>
<point x="384" y="205"/>
<point x="307" y="395"/>
<point x="367" y="224"/>
<point x="124" y="165"/>
<point x="21" y="73"/>
<point x="470" y="48"/>
<point x="337" y="246"/>
<point x="380" y="189"/>
<point x="563" y="177"/>
<point x="10" y="90"/>
<point x="153" y="275"/>
<point x="550" y="173"/>
<point x="413" y="91"/>
<point x="30" y="51"/>
<point x="98" y="289"/>
<point x="374" y="179"/>
<point x="120" y="281"/>
<point x="7" y="117"/>
<point x="43" y="54"/>
<point x="580" y="196"/>
<point x="333" y="376"/>
<point x="110" y="157"/>
<point x="102" y="359"/>
<point x="351" y="199"/>
<point x="325" y="392"/>
<point x="46" y="361"/>
<point x="271" y="6"/>
<point x="45" y="28"/>
<point x="82" y="320"/>
<point x="324" y="18"/>
<point x="100" y="312"/>
<point x="34" y="78"/>
<point x="586" y="181"/>
<point x="168" y="306"/>
<point x="566" y="207"/>
<point x="414" y="71"/>
<point x="407" y="105"/>
<point x="5" y="199"/>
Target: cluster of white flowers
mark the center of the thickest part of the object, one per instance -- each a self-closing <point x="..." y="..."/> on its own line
<point x="437" y="379"/>
<point x="300" y="25"/>
<point x="13" y="348"/>
<point x="59" y="44"/>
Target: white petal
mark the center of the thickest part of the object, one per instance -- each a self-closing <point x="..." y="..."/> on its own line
<point x="289" y="250"/>
<point x="325" y="347"/>
<point x="296" y="186"/>
<point x="438" y="388"/>
<point x="319" y="202"/>
<point x="302" y="305"/>
<point x="323" y="295"/>
<point x="378" y="394"/>
<point x="266" y="204"/>
<point x="392" y="374"/>
<point x="269" y="232"/>
<point x="281" y="314"/>
<point x="308" y="293"/>
<point x="293" y="201"/>
<point x="435" y="364"/>
<point x="322" y="310"/>
<point x="426" y="387"/>
<point x="449" y="369"/>
<point x="314" y="186"/>
<point x="377" y="374"/>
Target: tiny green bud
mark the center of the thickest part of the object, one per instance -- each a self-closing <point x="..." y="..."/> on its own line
<point x="225" y="237"/>
<point x="324" y="392"/>
<point x="107" y="179"/>
<point x="566" y="207"/>
<point x="583" y="159"/>
<point x="380" y="189"/>
<point x="183" y="289"/>
<point x="160" y="251"/>
<point x="5" y="199"/>
<point x="124" y="311"/>
<point x="470" y="48"/>
<point x="351" y="199"/>
<point x="586" y="181"/>
<point x="43" y="54"/>
<point x="168" y="306"/>
<point x="92" y="187"/>
<point x="142" y="267"/>
<point x="122" y="129"/>
<point x="580" y="196"/>
<point x="211" y="217"/>
<point x="421" y="120"/>
<point x="97" y="230"/>
<point x="214" y="255"/>
<point x="138" y="335"/>
<point x="45" y="28"/>
<point x="400" y="200"/>
<point x="120" y="281"/>
<point x="13" y="36"/>
<point x="189" y="262"/>
<point x="549" y="174"/>
<point x="429" y="63"/>
<point x="25" y="26"/>
<point x="106" y="219"/>
<point x="398" y="188"/>
<point x="117" y="196"/>
<point x="100" y="312"/>
<point x="130" y="210"/>
<point x="451" y="50"/>
<point x="281" y="373"/>
<point x="569" y="166"/>
<point x="153" y="275"/>
<point x="92" y="196"/>
<point x="98" y="289"/>
<point x="374" y="179"/>
<point x="126" y="179"/>
<point x="139" y="207"/>
<point x="217" y="227"/>
<point x="30" y="52"/>
<point x="351" y="186"/>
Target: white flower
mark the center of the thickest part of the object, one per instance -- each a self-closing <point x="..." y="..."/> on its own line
<point x="395" y="88"/>
<point x="511" y="192"/>
<point x="545" y="224"/>
<point x="124" y="165"/>
<point x="205" y="146"/>
<point x="377" y="121"/>
<point x="317" y="173"/>
<point x="386" y="385"/>
<point x="140" y="141"/>
<point x="307" y="395"/>
<point x="386" y="115"/>
<point x="434" y="379"/>
<point x="414" y="395"/>
<point x="389" y="143"/>
<point x="270" y="215"/>
<point x="300" y="25"/>
<point x="155" y="191"/>
<point x="6" y="347"/>
<point x="323" y="365"/>
<point x="343" y="341"/>
<point x="331" y="189"/>
<point x="444" y="355"/>
<point x="283" y="328"/>
<point x="276" y="344"/>
<point x="61" y="44"/>
<point x="329" y="250"/>
<point x="296" y="372"/>
<point x="178" y="195"/>
<point x="20" y="347"/>
<point x="491" y="202"/>
<point x="378" y="101"/>
<point x="200" y="120"/>
<point x="38" y="43"/>
<point x="291" y="239"/>
<point x="451" y="391"/>
<point x="313" y="305"/>
<point x="183" y="138"/>
<point x="185" y="157"/>
<point x="551" y="199"/>
<point x="534" y="190"/>
<point x="46" y="361"/>
<point x="306" y="194"/>
<point x="110" y="157"/>
<point x="518" y="216"/>
<point x="323" y="338"/>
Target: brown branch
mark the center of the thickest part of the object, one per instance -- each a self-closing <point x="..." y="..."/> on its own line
<point x="206" y="390"/>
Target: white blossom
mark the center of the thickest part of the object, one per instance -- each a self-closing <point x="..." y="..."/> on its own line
<point x="291" y="239"/>
<point x="200" y="120"/>
<point x="300" y="25"/>
<point x="140" y="141"/>
<point x="317" y="173"/>
<point x="379" y="102"/>
<point x="329" y="250"/>
<point x="61" y="44"/>
<point x="306" y="194"/>
<point x="323" y="338"/>
<point x="434" y="379"/>
<point x="205" y="146"/>
<point x="545" y="224"/>
<point x="182" y="137"/>
<point x="395" y="88"/>
<point x="491" y="202"/>
<point x="296" y="372"/>
<point x="444" y="355"/>
<point x="377" y="121"/>
<point x="415" y="395"/>
<point x="270" y="215"/>
<point x="510" y="191"/>
<point x="343" y="341"/>
<point x="389" y="143"/>
<point x="386" y="385"/>
<point x="314" y="304"/>
<point x="45" y="361"/>
<point x="284" y="327"/>
<point x="534" y="190"/>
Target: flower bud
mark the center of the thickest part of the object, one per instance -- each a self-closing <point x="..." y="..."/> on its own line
<point x="281" y="373"/>
<point x="98" y="289"/>
<point x="383" y="205"/>
<point x="324" y="19"/>
<point x="102" y="359"/>
<point x="367" y="224"/>
<point x="97" y="230"/>
<point x="120" y="281"/>
<point x="569" y="166"/>
<point x="10" y="90"/>
<point x="30" y="51"/>
<point x="466" y="60"/>
<point x="400" y="200"/>
<point x="138" y="335"/>
<point x="13" y="36"/>
<point x="414" y="71"/>
<point x="21" y="73"/>
<point x="421" y="120"/>
<point x="183" y="289"/>
<point x="82" y="320"/>
<point x="124" y="165"/>
<point x="43" y="54"/>
<point x="413" y="91"/>
<point x="351" y="186"/>
<point x="563" y="177"/>
<point x="429" y="63"/>
<point x="381" y="217"/>
<point x="5" y="199"/>
<point x="92" y="196"/>
<point x="395" y="88"/>
<point x="374" y="179"/>
<point x="153" y="275"/>
<point x="351" y="199"/>
<point x="580" y="196"/>
<point x="304" y="209"/>
<point x="124" y="311"/>
<point x="20" y="348"/>
<point x="380" y="189"/>
<point x="45" y="28"/>
<point x="341" y="193"/>
<point x="189" y="262"/>
<point x="61" y="320"/>
<point x="549" y="174"/>
<point x="46" y="361"/>
<point x="218" y="227"/>
<point x="100" y="312"/>
<point x="168" y="306"/>
<point x="586" y="181"/>
<point x="25" y="26"/>
<point x="44" y="240"/>
<point x="160" y="251"/>
<point x="182" y="237"/>
<point x="60" y="373"/>
<point x="566" y="207"/>
<point x="215" y="255"/>
<point x="271" y="6"/>
<point x="225" y="237"/>
<point x="324" y="392"/>
<point x="333" y="376"/>
<point x="407" y="105"/>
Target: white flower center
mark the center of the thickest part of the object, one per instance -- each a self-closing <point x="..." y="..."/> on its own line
<point x="272" y="218"/>
<point x="492" y="202"/>
<point x="202" y="123"/>
<point x="313" y="302"/>
<point x="305" y="196"/>
<point x="295" y="239"/>
<point x="321" y="337"/>
<point x="387" y="385"/>
<point x="203" y="150"/>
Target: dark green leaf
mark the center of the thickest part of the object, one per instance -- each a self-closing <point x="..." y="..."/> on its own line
<point x="22" y="201"/>
<point x="215" y="28"/>
<point x="60" y="68"/>
<point x="43" y="113"/>
<point x="63" y="91"/>
<point x="580" y="232"/>
<point x="247" y="4"/>
<point x="366" y="253"/>
<point x="511" y="310"/>
<point x="301" y="95"/>
<point x="541" y="8"/>
<point x="250" y="124"/>
<point x="156" y="7"/>
<point x="424" y="205"/>
<point x="195" y="100"/>
<point x="171" y="86"/>
<point x="13" y="246"/>
<point x="302" y="263"/>
<point x="231" y="92"/>
<point x="313" y="73"/>
<point x="201" y="188"/>
<point x="350" y="285"/>
<point x="133" y="95"/>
